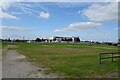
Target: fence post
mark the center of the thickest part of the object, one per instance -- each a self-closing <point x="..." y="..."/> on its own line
<point x="100" y="59"/>
<point x="112" y="58"/>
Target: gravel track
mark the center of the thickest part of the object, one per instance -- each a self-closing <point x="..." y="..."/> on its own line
<point x="15" y="65"/>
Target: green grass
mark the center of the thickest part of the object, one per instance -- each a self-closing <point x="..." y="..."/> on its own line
<point x="0" y="45"/>
<point x="3" y="45"/>
<point x="70" y="60"/>
<point x="0" y="49"/>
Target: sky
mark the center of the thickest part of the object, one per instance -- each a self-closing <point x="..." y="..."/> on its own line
<point x="93" y="21"/>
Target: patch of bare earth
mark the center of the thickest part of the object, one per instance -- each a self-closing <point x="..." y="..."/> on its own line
<point x="112" y="75"/>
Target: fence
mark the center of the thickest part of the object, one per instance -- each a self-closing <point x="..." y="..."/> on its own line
<point x="111" y="55"/>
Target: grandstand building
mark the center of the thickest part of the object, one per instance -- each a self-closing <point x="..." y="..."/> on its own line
<point x="64" y="39"/>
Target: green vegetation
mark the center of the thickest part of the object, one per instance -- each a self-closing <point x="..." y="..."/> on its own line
<point x="70" y="60"/>
<point x="3" y="45"/>
<point x="0" y="49"/>
<point x="0" y="45"/>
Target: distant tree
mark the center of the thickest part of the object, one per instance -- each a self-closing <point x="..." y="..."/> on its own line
<point x="5" y="40"/>
<point x="42" y="39"/>
<point x="65" y="39"/>
<point x="115" y="44"/>
<point x="54" y="39"/>
<point x="98" y="43"/>
<point x="86" y="41"/>
<point x="62" y="39"/>
<point x="77" y="40"/>
<point x="9" y="40"/>
<point x="38" y="40"/>
<point x="70" y="39"/>
<point x="17" y="40"/>
<point x="109" y="43"/>
<point x="93" y="42"/>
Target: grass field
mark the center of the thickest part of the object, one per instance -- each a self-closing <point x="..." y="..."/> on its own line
<point x="0" y="49"/>
<point x="70" y="60"/>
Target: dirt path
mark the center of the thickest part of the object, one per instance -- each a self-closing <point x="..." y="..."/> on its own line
<point x="15" y="65"/>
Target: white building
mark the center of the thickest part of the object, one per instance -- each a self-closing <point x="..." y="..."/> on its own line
<point x="64" y="39"/>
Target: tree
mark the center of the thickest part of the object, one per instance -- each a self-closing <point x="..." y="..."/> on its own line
<point x="9" y="40"/>
<point x="38" y="40"/>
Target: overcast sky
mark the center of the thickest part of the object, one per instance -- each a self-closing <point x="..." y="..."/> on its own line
<point x="95" y="21"/>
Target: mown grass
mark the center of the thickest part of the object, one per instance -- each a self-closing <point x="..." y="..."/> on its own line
<point x="3" y="45"/>
<point x="70" y="60"/>
<point x="0" y="49"/>
<point x="0" y="45"/>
